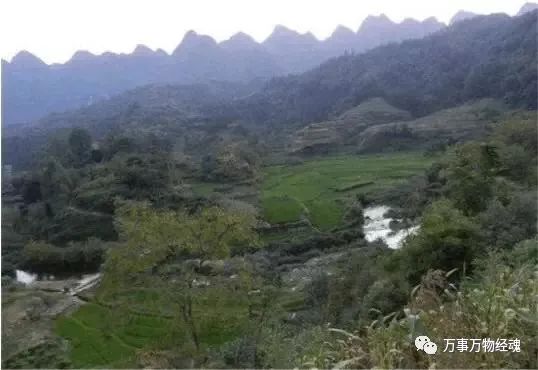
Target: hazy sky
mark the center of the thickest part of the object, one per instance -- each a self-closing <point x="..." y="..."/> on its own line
<point x="54" y="29"/>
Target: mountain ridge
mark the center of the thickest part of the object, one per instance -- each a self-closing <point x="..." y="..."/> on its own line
<point x="443" y="70"/>
<point x="28" y="82"/>
<point x="32" y="89"/>
<point x="458" y="16"/>
<point x="278" y="29"/>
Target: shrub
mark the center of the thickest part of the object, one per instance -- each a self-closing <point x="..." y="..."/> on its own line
<point x="75" y="257"/>
<point x="447" y="239"/>
<point x="500" y="302"/>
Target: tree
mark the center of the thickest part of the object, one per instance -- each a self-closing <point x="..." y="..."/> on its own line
<point x="87" y="256"/>
<point x="447" y="239"/>
<point x="503" y="225"/>
<point x="56" y="181"/>
<point x="517" y="142"/>
<point x="145" y="176"/>
<point x="470" y="176"/>
<point x="80" y="144"/>
<point x="231" y="161"/>
<point x="117" y="144"/>
<point x="354" y="215"/>
<point x="31" y="191"/>
<point x="153" y="238"/>
<point x="522" y="132"/>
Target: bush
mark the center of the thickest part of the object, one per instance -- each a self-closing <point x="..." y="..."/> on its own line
<point x="384" y="296"/>
<point x="500" y="302"/>
<point x="503" y="225"/>
<point x="77" y="257"/>
<point x="354" y="216"/>
<point x="49" y="354"/>
<point x="447" y="239"/>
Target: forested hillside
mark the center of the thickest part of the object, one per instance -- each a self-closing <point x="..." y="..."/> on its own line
<point x="487" y="56"/>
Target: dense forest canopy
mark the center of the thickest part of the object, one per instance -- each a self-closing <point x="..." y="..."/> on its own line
<point x="488" y="56"/>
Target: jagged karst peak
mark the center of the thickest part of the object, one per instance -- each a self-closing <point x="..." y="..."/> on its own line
<point x="527" y="7"/>
<point x="426" y="26"/>
<point x="111" y="55"/>
<point x="462" y="15"/>
<point x="410" y="21"/>
<point x="342" y="31"/>
<point x="240" y="40"/>
<point x="309" y="36"/>
<point x="82" y="56"/>
<point x="375" y="22"/>
<point x="27" y="60"/>
<point x="142" y="50"/>
<point x="342" y="37"/>
<point x="242" y="37"/>
<point x="283" y="37"/>
<point x="193" y="36"/>
<point x="193" y="40"/>
<point x="281" y="30"/>
<point x="432" y="20"/>
<point x="379" y="18"/>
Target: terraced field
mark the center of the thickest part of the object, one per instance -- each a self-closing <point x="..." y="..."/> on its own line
<point x="93" y="345"/>
<point x="319" y="189"/>
<point x="115" y="338"/>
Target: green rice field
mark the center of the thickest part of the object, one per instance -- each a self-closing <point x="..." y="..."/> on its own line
<point x="319" y="189"/>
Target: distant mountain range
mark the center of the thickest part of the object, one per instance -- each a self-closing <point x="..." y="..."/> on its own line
<point x="488" y="57"/>
<point x="31" y="88"/>
<point x="461" y="16"/>
<point x="527" y="7"/>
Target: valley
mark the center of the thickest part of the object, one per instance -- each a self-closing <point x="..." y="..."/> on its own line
<point x="303" y="207"/>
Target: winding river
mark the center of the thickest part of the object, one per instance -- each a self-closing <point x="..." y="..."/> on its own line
<point x="377" y="226"/>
